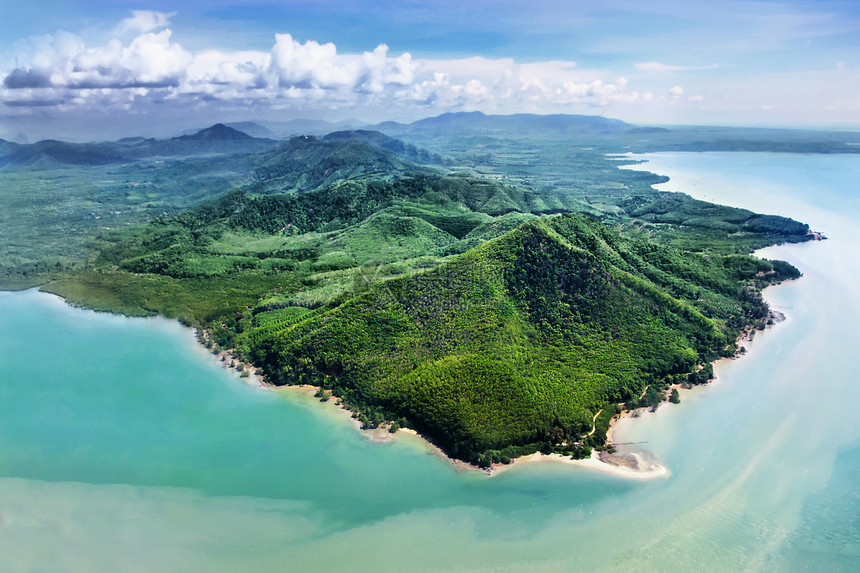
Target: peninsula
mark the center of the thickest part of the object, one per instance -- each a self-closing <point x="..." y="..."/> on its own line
<point x="497" y="308"/>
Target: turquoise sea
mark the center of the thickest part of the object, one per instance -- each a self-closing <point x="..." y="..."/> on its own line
<point x="125" y="447"/>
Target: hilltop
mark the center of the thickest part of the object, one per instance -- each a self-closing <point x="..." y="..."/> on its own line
<point x="217" y="132"/>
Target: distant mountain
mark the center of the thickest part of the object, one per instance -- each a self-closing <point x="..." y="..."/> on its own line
<point x="218" y="132"/>
<point x="51" y="152"/>
<point x="286" y="129"/>
<point x="133" y="140"/>
<point x="648" y="130"/>
<point x="253" y="129"/>
<point x="477" y="123"/>
<point x="7" y="147"/>
<point x="378" y="139"/>
<point x="311" y="126"/>
<point x="615" y="135"/>
<point x="218" y="139"/>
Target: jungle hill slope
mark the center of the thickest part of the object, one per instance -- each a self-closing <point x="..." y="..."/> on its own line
<point x="515" y="345"/>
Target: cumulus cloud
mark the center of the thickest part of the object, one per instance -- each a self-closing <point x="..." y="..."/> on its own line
<point x="144" y="21"/>
<point x="19" y="79"/>
<point x="150" y="60"/>
<point x="314" y="66"/>
<point x="245" y="69"/>
<point x="143" y="63"/>
<point x="504" y="85"/>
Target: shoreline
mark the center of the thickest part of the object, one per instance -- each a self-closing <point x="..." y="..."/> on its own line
<point x="628" y="463"/>
<point x="635" y="463"/>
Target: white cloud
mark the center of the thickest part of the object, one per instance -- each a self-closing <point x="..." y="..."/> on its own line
<point x="503" y="85"/>
<point x="309" y="65"/>
<point x="149" y="60"/>
<point x="149" y="66"/>
<point x="144" y="21"/>
<point x="50" y="53"/>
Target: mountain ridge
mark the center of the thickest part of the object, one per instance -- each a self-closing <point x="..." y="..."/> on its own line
<point x="468" y="123"/>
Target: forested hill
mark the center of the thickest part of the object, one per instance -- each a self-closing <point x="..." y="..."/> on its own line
<point x="306" y="162"/>
<point x="515" y="345"/>
<point x="379" y="139"/>
<point x="58" y="196"/>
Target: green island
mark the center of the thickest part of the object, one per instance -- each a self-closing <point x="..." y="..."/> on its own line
<point x="495" y="283"/>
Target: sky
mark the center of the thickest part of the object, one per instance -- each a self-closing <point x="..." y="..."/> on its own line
<point x="87" y="69"/>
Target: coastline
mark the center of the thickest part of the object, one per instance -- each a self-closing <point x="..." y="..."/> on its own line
<point x="630" y="464"/>
<point x="633" y="465"/>
<point x="627" y="463"/>
<point x="636" y="463"/>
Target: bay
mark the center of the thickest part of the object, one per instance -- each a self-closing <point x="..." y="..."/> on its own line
<point x="124" y="446"/>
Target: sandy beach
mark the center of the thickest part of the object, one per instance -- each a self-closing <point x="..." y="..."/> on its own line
<point x="636" y="466"/>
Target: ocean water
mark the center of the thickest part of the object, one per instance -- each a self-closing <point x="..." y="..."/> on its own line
<point x="125" y="447"/>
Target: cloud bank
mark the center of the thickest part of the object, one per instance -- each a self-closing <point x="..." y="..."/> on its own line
<point x="142" y="64"/>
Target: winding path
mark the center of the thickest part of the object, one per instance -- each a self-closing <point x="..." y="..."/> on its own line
<point x="594" y="423"/>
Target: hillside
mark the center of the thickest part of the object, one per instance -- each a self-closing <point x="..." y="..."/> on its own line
<point x="306" y="162"/>
<point x="378" y="139"/>
<point x="515" y="345"/>
<point x="371" y="221"/>
<point x="58" y="196"/>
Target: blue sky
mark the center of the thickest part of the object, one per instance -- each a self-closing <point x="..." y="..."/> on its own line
<point x="100" y="67"/>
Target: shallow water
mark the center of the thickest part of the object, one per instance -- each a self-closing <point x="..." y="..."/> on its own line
<point x="124" y="446"/>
